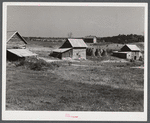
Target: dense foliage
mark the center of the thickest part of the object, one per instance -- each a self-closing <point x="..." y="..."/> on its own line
<point x="123" y="39"/>
<point x="36" y="64"/>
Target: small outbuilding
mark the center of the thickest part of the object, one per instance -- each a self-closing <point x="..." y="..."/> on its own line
<point x="72" y="48"/>
<point x="16" y="46"/>
<point x="129" y="51"/>
<point x="90" y="39"/>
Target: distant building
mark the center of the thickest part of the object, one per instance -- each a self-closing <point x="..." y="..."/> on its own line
<point x="72" y="48"/>
<point x="129" y="51"/>
<point x="90" y="39"/>
<point x="16" y="46"/>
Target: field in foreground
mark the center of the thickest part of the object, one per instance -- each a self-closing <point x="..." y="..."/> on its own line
<point x="75" y="87"/>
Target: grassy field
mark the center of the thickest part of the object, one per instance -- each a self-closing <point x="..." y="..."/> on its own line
<point x="43" y="49"/>
<point x="89" y="85"/>
<point x="75" y="88"/>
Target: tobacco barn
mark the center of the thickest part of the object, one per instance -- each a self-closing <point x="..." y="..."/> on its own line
<point x="16" y="46"/>
<point x="72" y="48"/>
<point x="129" y="51"/>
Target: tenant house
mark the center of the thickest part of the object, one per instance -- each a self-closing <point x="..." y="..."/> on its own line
<point x="16" y="46"/>
<point x="129" y="51"/>
<point x="72" y="48"/>
<point x="90" y="39"/>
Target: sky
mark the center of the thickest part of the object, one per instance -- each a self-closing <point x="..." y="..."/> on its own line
<point x="58" y="21"/>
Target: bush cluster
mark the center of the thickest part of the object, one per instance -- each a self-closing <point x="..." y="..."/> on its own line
<point x="37" y="64"/>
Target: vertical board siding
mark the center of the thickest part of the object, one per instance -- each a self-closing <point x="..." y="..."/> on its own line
<point x="67" y="54"/>
<point x="135" y="55"/>
<point x="79" y="53"/>
<point x="129" y="56"/>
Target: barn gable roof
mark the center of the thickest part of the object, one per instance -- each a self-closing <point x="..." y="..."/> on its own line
<point x="77" y="43"/>
<point x="10" y="34"/>
<point x="131" y="47"/>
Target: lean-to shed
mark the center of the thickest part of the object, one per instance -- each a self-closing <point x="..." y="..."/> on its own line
<point x="72" y="48"/>
<point x="16" y="46"/>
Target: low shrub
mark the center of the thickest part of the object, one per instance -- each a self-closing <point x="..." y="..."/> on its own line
<point x="19" y="63"/>
<point x="37" y="64"/>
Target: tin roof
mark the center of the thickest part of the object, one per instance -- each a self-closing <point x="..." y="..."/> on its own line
<point x="10" y="34"/>
<point x="120" y="52"/>
<point x="77" y="43"/>
<point x="61" y="50"/>
<point x="132" y="47"/>
<point x="21" y="52"/>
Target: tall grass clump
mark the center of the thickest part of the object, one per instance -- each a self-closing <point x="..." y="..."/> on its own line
<point x="37" y="64"/>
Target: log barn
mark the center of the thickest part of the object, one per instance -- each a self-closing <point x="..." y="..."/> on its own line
<point x="72" y="48"/>
<point x="129" y="51"/>
<point x="16" y="46"/>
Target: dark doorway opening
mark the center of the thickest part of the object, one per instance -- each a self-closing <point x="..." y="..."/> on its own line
<point x="134" y="57"/>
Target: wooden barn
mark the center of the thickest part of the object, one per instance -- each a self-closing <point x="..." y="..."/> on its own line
<point x="129" y="51"/>
<point x="72" y="48"/>
<point x="90" y="39"/>
<point x="16" y="46"/>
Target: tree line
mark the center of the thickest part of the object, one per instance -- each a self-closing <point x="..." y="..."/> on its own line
<point x="122" y="39"/>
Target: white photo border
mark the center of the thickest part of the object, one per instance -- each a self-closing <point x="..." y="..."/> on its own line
<point x="73" y="115"/>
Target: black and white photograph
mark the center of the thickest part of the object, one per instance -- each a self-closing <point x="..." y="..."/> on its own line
<point x="74" y="61"/>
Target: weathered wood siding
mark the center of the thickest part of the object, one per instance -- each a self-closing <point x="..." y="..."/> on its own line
<point x="128" y="55"/>
<point x="125" y="48"/>
<point x="16" y="43"/>
<point x="57" y="55"/>
<point x="79" y="53"/>
<point x="66" y="45"/>
<point x="135" y="55"/>
<point x="67" y="54"/>
<point x="120" y="55"/>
